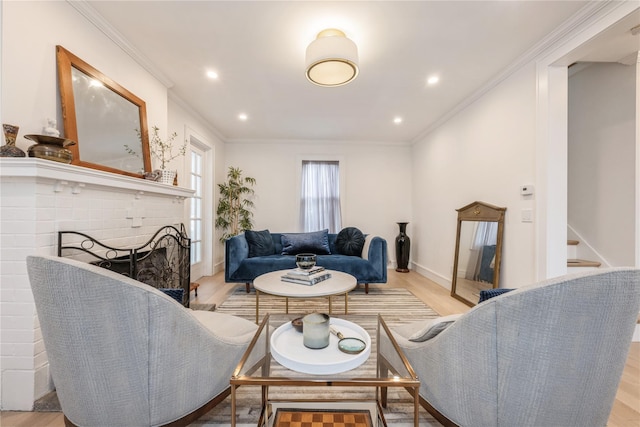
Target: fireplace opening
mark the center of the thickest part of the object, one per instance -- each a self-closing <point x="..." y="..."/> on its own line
<point x="163" y="262"/>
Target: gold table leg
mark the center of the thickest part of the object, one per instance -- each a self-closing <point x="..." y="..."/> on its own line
<point x="329" y="304"/>
<point x="346" y="303"/>
<point x="286" y="305"/>
<point x="257" y="306"/>
<point x="233" y="406"/>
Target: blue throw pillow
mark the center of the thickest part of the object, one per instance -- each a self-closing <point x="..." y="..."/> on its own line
<point x="487" y="294"/>
<point x="260" y="243"/>
<point x="350" y="241"/>
<point x="316" y="242"/>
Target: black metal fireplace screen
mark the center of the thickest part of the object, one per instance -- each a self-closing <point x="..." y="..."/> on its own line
<point x="163" y="262"/>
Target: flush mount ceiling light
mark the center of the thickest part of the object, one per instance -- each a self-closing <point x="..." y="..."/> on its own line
<point x="332" y="59"/>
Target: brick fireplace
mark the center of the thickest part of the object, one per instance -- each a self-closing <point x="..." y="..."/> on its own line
<point x="38" y="198"/>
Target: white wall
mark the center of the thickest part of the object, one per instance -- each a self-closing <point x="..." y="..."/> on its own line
<point x="30" y="32"/>
<point x="602" y="160"/>
<point x="484" y="153"/>
<point x="377" y="184"/>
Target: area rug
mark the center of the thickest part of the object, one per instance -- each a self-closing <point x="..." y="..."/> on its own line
<point x="396" y="305"/>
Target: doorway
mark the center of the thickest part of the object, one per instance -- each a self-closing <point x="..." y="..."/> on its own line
<point x="200" y="206"/>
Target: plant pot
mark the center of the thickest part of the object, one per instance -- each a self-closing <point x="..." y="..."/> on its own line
<point x="167" y="176"/>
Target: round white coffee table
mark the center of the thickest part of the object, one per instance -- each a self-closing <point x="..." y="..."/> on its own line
<point x="272" y="284"/>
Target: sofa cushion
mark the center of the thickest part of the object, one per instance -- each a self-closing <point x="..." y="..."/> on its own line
<point x="316" y="242"/>
<point x="350" y="241"/>
<point x="433" y="327"/>
<point x="260" y="243"/>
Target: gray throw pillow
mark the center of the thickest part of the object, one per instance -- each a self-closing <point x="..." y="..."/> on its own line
<point x="433" y="327"/>
<point x="260" y="243"/>
<point x="316" y="242"/>
<point x="350" y="241"/>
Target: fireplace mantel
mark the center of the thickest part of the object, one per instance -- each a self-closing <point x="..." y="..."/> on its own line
<point x="39" y="199"/>
<point x="76" y="177"/>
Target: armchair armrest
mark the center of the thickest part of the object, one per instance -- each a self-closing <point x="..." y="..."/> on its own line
<point x="236" y="249"/>
<point x="375" y="251"/>
<point x="465" y="393"/>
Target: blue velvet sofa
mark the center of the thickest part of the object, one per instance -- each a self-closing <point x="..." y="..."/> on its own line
<point x="369" y="267"/>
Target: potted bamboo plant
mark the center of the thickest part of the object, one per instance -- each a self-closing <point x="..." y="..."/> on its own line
<point x="234" y="214"/>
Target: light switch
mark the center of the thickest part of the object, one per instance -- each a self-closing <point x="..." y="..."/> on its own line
<point x="527" y="215"/>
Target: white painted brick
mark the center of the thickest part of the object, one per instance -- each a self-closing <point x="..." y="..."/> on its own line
<point x="38" y="347"/>
<point x="17" y="322"/>
<point x="17" y="362"/>
<point x="31" y="216"/>
<point x="16" y="337"/>
<point x="43" y="227"/>
<point x="23" y="226"/>
<point x="18" y="389"/>
<point x="45" y="214"/>
<point x="12" y="308"/>
<point x="19" y="214"/>
<point x="40" y="359"/>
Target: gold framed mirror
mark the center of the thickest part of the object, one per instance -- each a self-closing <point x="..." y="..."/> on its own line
<point x="478" y="252"/>
<point x="107" y="122"/>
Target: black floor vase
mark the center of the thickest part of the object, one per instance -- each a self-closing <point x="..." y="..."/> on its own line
<point x="403" y="246"/>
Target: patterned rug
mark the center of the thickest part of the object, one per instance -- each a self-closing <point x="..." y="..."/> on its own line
<point x="397" y="306"/>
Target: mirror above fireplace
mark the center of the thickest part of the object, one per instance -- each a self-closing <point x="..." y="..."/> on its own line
<point x="108" y="122"/>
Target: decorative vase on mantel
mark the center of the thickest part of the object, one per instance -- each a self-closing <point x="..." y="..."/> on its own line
<point x="167" y="176"/>
<point x="10" y="149"/>
<point x="403" y="246"/>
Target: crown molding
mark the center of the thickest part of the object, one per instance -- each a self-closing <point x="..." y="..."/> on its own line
<point x="564" y="32"/>
<point x="92" y="15"/>
<point x="238" y="141"/>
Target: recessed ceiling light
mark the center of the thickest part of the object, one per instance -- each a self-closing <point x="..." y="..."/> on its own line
<point x="212" y="74"/>
<point x="243" y="117"/>
<point x="397" y="120"/>
<point x="433" y="80"/>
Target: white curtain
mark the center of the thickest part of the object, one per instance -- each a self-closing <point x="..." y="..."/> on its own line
<point x="486" y="234"/>
<point x="320" y="196"/>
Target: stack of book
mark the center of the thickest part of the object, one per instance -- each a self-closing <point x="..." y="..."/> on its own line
<point x="306" y="277"/>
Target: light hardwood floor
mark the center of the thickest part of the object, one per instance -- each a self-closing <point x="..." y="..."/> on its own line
<point x="213" y="290"/>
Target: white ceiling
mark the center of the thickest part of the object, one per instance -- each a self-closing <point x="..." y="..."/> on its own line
<point x="258" y="49"/>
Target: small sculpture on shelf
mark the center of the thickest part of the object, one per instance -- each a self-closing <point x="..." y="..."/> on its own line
<point x="10" y="135"/>
<point x="51" y="129"/>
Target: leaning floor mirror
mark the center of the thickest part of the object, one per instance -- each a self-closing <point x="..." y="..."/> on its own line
<point x="476" y="264"/>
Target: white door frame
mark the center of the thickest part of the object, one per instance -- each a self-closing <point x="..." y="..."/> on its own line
<point x="552" y="139"/>
<point x="208" y="165"/>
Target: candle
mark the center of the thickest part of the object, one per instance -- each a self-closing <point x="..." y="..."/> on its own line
<point x="315" y="330"/>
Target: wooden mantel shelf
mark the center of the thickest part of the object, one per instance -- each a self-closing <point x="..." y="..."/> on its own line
<point x="76" y="176"/>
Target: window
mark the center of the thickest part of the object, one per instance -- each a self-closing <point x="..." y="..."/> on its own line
<point x="195" y="216"/>
<point x="320" y="196"/>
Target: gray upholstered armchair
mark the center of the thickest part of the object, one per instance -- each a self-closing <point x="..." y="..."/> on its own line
<point x="549" y="354"/>
<point x="122" y="353"/>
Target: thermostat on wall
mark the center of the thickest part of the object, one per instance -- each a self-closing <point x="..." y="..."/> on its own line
<point x="526" y="190"/>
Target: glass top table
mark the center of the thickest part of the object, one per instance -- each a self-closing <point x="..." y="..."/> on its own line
<point x="364" y="385"/>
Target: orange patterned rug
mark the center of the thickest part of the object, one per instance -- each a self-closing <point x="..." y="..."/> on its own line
<point x="321" y="418"/>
